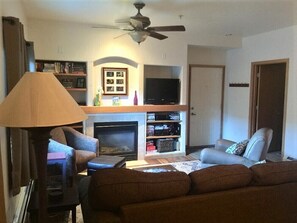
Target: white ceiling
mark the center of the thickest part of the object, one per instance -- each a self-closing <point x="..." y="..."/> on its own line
<point x="211" y="17"/>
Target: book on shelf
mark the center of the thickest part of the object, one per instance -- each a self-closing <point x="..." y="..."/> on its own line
<point x="49" y="67"/>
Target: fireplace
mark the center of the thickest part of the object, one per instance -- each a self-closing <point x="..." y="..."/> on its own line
<point x="117" y="138"/>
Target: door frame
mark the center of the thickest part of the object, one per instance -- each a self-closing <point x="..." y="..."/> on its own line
<point x="223" y="67"/>
<point x="253" y="95"/>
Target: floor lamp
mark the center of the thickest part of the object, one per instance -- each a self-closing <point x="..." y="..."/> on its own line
<point x="38" y="103"/>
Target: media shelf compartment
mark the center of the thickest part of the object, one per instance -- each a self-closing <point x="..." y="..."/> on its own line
<point x="162" y="137"/>
<point x="163" y="133"/>
<point x="163" y="121"/>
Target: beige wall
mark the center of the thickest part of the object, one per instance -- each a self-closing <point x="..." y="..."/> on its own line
<point x="278" y="44"/>
<point x="70" y="41"/>
<point x="206" y="55"/>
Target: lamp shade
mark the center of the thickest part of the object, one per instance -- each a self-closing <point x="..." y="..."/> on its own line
<point x="39" y="100"/>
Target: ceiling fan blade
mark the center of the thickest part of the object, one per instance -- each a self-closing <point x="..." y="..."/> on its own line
<point x="125" y="28"/>
<point x="166" y="28"/>
<point x="105" y="27"/>
<point x="120" y="35"/>
<point x="157" y="35"/>
<point x="124" y="20"/>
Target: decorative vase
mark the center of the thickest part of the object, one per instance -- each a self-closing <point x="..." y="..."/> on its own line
<point x="135" y="99"/>
<point x="97" y="100"/>
<point x="98" y="97"/>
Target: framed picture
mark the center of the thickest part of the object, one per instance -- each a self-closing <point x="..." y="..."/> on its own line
<point x="67" y="83"/>
<point x="81" y="83"/>
<point x="115" y="81"/>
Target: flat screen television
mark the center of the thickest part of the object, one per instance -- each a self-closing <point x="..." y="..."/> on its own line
<point x="158" y="91"/>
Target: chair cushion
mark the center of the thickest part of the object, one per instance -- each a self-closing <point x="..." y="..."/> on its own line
<point x="220" y="177"/>
<point x="237" y="148"/>
<point x="274" y="173"/>
<point x="114" y="187"/>
<point x="58" y="135"/>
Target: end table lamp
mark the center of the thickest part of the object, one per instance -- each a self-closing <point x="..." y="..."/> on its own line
<point x="38" y="103"/>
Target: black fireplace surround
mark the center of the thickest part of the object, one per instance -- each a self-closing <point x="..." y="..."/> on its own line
<point x="117" y="138"/>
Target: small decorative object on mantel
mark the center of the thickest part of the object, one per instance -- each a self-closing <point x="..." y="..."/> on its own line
<point x="238" y="85"/>
<point x="116" y="101"/>
<point x="115" y="81"/>
<point x="135" y="101"/>
<point x="98" y="97"/>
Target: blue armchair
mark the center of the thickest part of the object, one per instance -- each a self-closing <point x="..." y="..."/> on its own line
<point x="78" y="148"/>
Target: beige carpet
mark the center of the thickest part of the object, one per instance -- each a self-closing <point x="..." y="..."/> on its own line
<point x="79" y="217"/>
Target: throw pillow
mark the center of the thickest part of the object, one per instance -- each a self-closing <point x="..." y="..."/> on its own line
<point x="237" y="148"/>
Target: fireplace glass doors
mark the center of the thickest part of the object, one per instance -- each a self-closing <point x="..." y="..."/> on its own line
<point x="117" y="138"/>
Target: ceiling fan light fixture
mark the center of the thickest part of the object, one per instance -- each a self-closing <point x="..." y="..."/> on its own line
<point x="139" y="36"/>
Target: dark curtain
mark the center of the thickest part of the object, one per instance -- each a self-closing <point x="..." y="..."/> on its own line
<point x="20" y="149"/>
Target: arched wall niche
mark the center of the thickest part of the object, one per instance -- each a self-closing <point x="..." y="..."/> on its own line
<point x="115" y="60"/>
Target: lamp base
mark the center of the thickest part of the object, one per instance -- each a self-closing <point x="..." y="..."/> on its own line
<point x="40" y="140"/>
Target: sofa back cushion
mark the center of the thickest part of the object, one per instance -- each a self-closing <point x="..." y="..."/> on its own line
<point x="220" y="177"/>
<point x="112" y="188"/>
<point x="274" y="173"/>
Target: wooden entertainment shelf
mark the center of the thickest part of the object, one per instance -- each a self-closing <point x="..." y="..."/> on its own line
<point x="133" y="109"/>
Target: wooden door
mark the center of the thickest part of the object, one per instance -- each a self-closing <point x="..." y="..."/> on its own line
<point x="205" y="101"/>
<point x="270" y="84"/>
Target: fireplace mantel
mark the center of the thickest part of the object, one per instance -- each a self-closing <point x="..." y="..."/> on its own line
<point x="133" y="109"/>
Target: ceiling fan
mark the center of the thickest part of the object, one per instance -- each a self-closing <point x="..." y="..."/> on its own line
<point x="139" y="26"/>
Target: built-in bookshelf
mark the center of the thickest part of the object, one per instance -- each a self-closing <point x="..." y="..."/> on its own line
<point x="71" y="74"/>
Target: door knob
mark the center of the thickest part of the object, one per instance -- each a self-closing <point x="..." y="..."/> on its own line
<point x="192" y="113"/>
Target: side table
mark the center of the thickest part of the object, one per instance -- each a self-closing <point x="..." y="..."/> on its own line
<point x="68" y="203"/>
<point x="58" y="157"/>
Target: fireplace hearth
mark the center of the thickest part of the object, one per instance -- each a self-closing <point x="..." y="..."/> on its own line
<point x="117" y="138"/>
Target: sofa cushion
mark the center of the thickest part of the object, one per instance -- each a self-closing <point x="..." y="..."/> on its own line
<point x="237" y="148"/>
<point x="274" y="173"/>
<point x="112" y="188"/>
<point x="220" y="177"/>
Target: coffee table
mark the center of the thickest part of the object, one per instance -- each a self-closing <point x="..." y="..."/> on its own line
<point x="156" y="169"/>
<point x="68" y="203"/>
<point x="104" y="161"/>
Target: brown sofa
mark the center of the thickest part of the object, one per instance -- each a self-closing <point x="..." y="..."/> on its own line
<point x="222" y="193"/>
